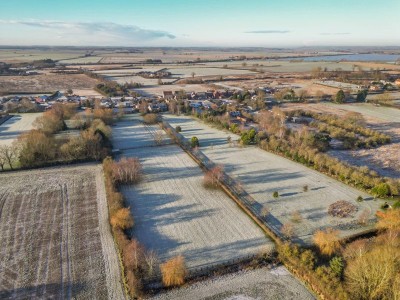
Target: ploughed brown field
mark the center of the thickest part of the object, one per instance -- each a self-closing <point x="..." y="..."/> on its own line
<point x="55" y="238"/>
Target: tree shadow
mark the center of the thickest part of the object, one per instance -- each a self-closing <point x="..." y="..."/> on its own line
<point x="41" y="291"/>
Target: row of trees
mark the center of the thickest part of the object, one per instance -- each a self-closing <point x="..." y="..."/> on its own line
<point x="139" y="264"/>
<point x="350" y="129"/>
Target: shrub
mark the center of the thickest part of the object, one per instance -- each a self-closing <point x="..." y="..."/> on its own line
<point x="264" y="211"/>
<point x="178" y="128"/>
<point x="275" y="194"/>
<point x="336" y="264"/>
<point x="305" y="188"/>
<point x="296" y="217"/>
<point x="360" y="199"/>
<point x="122" y="219"/>
<point x="150" y="119"/>
<point x="381" y="190"/>
<point x="328" y="242"/>
<point x="212" y="178"/>
<point x="127" y="170"/>
<point x="104" y="114"/>
<point x="134" y="284"/>
<point x="158" y="138"/>
<point x="287" y="230"/>
<point x="308" y="259"/>
<point x="173" y="271"/>
<point x="194" y="142"/>
<point x="389" y="219"/>
<point x="50" y="122"/>
<point x="363" y="217"/>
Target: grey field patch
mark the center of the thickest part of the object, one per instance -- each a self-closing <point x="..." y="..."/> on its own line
<point x="261" y="173"/>
<point x="15" y="126"/>
<point x="258" y="284"/>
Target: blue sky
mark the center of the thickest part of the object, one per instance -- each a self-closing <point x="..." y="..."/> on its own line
<point x="264" y="23"/>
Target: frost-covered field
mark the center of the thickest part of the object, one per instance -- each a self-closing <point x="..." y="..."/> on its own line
<point x="138" y="79"/>
<point x="205" y="71"/>
<point x="262" y="173"/>
<point x="55" y="238"/>
<point x="174" y="214"/>
<point x="382" y="113"/>
<point x="18" y="124"/>
<point x="258" y="284"/>
<point x="81" y="60"/>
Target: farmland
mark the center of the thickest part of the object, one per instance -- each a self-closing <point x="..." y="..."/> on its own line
<point x="56" y="241"/>
<point x="174" y="214"/>
<point x="261" y="173"/>
<point x="277" y="283"/>
<point x="205" y="71"/>
<point x="45" y="83"/>
<point x="18" y="124"/>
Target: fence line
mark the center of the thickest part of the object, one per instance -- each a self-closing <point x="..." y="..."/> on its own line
<point x="203" y="269"/>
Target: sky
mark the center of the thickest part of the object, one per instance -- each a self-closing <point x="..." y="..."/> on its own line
<point x="180" y="23"/>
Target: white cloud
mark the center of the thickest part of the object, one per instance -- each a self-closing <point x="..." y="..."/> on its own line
<point x="103" y="32"/>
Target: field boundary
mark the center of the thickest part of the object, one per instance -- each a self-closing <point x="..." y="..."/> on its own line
<point x="228" y="185"/>
<point x="5" y="119"/>
<point x="222" y="267"/>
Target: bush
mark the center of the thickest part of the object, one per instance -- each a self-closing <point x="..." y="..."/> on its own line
<point x="287" y="230"/>
<point x="212" y="178"/>
<point x="360" y="199"/>
<point x="363" y="217"/>
<point x="308" y="259"/>
<point x="264" y="211"/>
<point x="194" y="142"/>
<point x="127" y="170"/>
<point x="174" y="271"/>
<point x="122" y="219"/>
<point x="336" y="264"/>
<point x="296" y="217"/>
<point x="328" y="242"/>
<point x="150" y="119"/>
<point x="275" y="194"/>
<point x="305" y="188"/>
<point x="381" y="190"/>
<point x="178" y="128"/>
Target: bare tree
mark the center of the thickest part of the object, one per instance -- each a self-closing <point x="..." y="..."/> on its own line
<point x="264" y="211"/>
<point x="3" y="161"/>
<point x="9" y="155"/>
<point x="151" y="260"/>
<point x="158" y="138"/>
